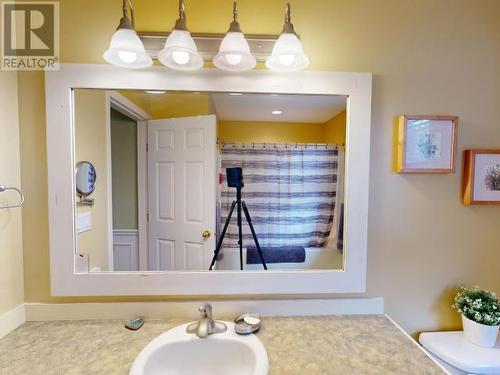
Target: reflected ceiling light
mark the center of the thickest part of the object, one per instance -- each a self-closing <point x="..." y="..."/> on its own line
<point x="235" y="93"/>
<point x="126" y="49"/>
<point x="155" y="91"/>
<point x="234" y="52"/>
<point x="288" y="54"/>
<point x="180" y="52"/>
<point x="277" y="112"/>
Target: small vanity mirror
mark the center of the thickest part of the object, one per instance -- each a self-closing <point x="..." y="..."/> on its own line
<point x="86" y="178"/>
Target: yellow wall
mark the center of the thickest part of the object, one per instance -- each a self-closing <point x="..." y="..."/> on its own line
<point x="171" y="104"/>
<point x="279" y="132"/>
<point x="11" y="246"/>
<point x="91" y="145"/>
<point x="424" y="61"/>
<point x="336" y="129"/>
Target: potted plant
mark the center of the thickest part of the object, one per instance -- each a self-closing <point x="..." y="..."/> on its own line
<point x="480" y="311"/>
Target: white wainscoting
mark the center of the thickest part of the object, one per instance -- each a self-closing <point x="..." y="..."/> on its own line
<point x="125" y="250"/>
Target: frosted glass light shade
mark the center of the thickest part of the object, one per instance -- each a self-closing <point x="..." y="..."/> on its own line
<point x="288" y="54"/>
<point x="180" y="52"/>
<point x="127" y="51"/>
<point x="234" y="54"/>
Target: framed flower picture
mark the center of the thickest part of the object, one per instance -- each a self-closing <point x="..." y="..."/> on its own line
<point x="425" y="144"/>
<point x="481" y="178"/>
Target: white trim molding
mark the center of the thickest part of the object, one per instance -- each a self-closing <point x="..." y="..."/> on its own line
<point x="128" y="108"/>
<point x="357" y="87"/>
<point x="189" y="309"/>
<point x="12" y="319"/>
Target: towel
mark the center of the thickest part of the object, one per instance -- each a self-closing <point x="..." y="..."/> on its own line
<point x="340" y="230"/>
<point x="282" y="254"/>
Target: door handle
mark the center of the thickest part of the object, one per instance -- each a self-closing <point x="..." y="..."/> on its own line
<point x="206" y="234"/>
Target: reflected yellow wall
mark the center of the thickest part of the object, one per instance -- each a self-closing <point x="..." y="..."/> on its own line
<point x="11" y="246"/>
<point x="279" y="132"/>
<point x="336" y="129"/>
<point x="167" y="105"/>
<point x="91" y="137"/>
<point x="423" y="61"/>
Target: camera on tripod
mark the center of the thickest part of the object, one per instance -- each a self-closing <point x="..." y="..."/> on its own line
<point x="235" y="179"/>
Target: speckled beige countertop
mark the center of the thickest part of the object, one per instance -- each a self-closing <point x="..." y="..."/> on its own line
<point x="297" y="345"/>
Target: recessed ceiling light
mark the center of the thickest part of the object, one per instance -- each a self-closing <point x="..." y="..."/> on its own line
<point x="155" y="91"/>
<point x="235" y="93"/>
<point x="277" y="112"/>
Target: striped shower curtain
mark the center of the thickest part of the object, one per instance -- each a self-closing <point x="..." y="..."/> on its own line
<point x="290" y="192"/>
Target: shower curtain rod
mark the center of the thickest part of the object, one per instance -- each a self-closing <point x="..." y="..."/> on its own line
<point x="281" y="144"/>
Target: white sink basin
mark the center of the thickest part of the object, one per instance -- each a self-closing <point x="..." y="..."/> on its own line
<point x="176" y="352"/>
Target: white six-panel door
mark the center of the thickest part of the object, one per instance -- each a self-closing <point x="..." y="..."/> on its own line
<point x="182" y="192"/>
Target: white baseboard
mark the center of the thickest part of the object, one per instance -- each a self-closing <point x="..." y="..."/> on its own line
<point x="12" y="319"/>
<point x="189" y="309"/>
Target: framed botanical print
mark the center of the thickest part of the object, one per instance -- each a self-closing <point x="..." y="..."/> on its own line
<point x="425" y="144"/>
<point x="481" y="177"/>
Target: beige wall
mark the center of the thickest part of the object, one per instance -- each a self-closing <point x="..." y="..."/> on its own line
<point x="427" y="57"/>
<point x="11" y="246"/>
<point x="124" y="170"/>
<point x="91" y="144"/>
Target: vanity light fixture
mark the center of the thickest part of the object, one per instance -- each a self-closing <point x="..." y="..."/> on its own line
<point x="277" y="112"/>
<point x="126" y="49"/>
<point x="180" y="52"/>
<point x="234" y="52"/>
<point x="288" y="54"/>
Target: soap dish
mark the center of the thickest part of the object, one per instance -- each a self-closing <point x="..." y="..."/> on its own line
<point x="134" y="324"/>
<point x="245" y="324"/>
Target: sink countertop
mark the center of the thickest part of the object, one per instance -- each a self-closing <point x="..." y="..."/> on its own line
<point x="295" y="345"/>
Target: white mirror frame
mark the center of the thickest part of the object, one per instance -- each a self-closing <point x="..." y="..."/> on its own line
<point x="60" y="159"/>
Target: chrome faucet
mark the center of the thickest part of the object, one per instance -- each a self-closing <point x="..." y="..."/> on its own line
<point x="206" y="325"/>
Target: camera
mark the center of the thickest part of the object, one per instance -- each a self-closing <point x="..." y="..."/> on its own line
<point x="234" y="177"/>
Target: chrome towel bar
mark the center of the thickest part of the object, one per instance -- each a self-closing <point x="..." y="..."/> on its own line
<point x="21" y="196"/>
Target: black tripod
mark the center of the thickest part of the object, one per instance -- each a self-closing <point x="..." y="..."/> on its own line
<point x="235" y="179"/>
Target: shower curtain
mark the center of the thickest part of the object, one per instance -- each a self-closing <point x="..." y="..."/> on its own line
<point x="290" y="192"/>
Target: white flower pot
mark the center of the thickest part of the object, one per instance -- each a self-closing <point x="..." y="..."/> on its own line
<point x="480" y="334"/>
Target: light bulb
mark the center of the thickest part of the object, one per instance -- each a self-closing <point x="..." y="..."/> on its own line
<point x="180" y="57"/>
<point x="233" y="58"/>
<point x="287" y="59"/>
<point x="127" y="56"/>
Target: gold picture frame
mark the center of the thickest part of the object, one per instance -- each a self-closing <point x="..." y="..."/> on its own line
<point x="481" y="177"/>
<point x="425" y="144"/>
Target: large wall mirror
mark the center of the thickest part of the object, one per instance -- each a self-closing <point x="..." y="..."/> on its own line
<point x="181" y="157"/>
<point x="290" y="149"/>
